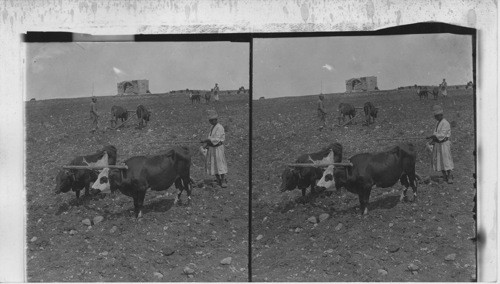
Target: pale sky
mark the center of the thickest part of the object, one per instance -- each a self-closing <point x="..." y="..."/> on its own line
<point x="66" y="70"/>
<point x="300" y="66"/>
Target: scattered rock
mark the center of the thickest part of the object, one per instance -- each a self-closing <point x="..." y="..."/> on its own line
<point x="390" y="225"/>
<point x="34" y="239"/>
<point x="413" y="267"/>
<point x="259" y="237"/>
<point x="312" y="219"/>
<point x="98" y="219"/>
<point x="86" y="222"/>
<point x="226" y="261"/>
<point x="450" y="257"/>
<point x="339" y="227"/>
<point x="158" y="275"/>
<point x="323" y="217"/>
<point x="188" y="270"/>
<point x="393" y="248"/>
<point x="382" y="272"/>
<point x="168" y="251"/>
<point x="298" y="230"/>
<point x="329" y="251"/>
<point x="104" y="253"/>
<point x="113" y="229"/>
<point x="72" y="232"/>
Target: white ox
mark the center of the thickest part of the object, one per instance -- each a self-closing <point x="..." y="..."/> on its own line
<point x="103" y="162"/>
<point x="328" y="184"/>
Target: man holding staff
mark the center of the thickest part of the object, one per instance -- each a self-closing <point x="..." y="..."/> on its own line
<point x="93" y="114"/>
<point x="215" y="163"/>
<point x="441" y="146"/>
<point x="321" y="111"/>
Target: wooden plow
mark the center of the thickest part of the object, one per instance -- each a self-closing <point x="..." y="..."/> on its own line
<point x="319" y="165"/>
<point x="73" y="167"/>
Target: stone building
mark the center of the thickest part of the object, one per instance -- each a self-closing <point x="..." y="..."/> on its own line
<point x="133" y="87"/>
<point x="362" y="84"/>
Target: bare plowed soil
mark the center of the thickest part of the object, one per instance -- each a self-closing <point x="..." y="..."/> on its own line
<point x="424" y="240"/>
<point x="168" y="238"/>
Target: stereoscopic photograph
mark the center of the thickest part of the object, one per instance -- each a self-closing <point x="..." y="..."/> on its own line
<point x="137" y="161"/>
<point x="363" y="158"/>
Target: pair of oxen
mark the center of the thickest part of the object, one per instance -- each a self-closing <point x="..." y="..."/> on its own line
<point x="382" y="169"/>
<point x="139" y="174"/>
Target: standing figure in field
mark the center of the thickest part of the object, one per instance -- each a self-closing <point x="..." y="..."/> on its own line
<point x="441" y="146"/>
<point x="443" y="87"/>
<point x="321" y="111"/>
<point x="93" y="114"/>
<point x="216" y="93"/>
<point x="215" y="163"/>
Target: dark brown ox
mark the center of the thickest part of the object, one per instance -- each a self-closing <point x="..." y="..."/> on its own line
<point x="304" y="177"/>
<point x="208" y="95"/>
<point x="382" y="169"/>
<point x="435" y="92"/>
<point x="143" y="115"/>
<point x="195" y="98"/>
<point x="117" y="112"/>
<point x="76" y="180"/>
<point x="152" y="172"/>
<point x="370" y="112"/>
<point x="346" y="110"/>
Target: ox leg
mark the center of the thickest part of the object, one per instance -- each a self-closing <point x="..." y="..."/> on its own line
<point x="364" y="199"/>
<point x="179" y="187"/>
<point x="187" y="186"/>
<point x="77" y="193"/>
<point x="138" y="202"/>
<point x="404" y="181"/>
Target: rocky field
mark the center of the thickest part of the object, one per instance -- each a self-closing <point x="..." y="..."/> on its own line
<point x="326" y="238"/>
<point x="98" y="239"/>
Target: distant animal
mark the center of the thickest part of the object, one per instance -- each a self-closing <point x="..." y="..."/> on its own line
<point x="195" y="98"/>
<point x="157" y="173"/>
<point x="382" y="169"/>
<point x="241" y="90"/>
<point x="435" y="92"/>
<point x="143" y="115"/>
<point x="262" y="98"/>
<point x="370" y="112"/>
<point x="423" y="94"/>
<point x="208" y="95"/>
<point x="307" y="177"/>
<point x="346" y="110"/>
<point x="76" y="180"/>
<point x="117" y="112"/>
<point x="33" y="99"/>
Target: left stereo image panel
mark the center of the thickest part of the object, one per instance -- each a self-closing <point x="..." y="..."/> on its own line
<point x="137" y="160"/>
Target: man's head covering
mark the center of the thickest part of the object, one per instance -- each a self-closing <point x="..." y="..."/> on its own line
<point x="437" y="109"/>
<point x="212" y="115"/>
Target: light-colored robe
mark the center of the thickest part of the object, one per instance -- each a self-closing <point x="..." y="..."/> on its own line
<point x="215" y="162"/>
<point x="441" y="152"/>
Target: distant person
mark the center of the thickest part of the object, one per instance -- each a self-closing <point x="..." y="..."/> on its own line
<point x="441" y="146"/>
<point x="93" y="114"/>
<point x="321" y="111"/>
<point x="442" y="87"/>
<point x="215" y="163"/>
<point x="216" y="92"/>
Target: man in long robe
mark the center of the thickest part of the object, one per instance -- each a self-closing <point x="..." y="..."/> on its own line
<point x="215" y="163"/>
<point x="441" y="146"/>
<point x="93" y="114"/>
<point x="321" y="112"/>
